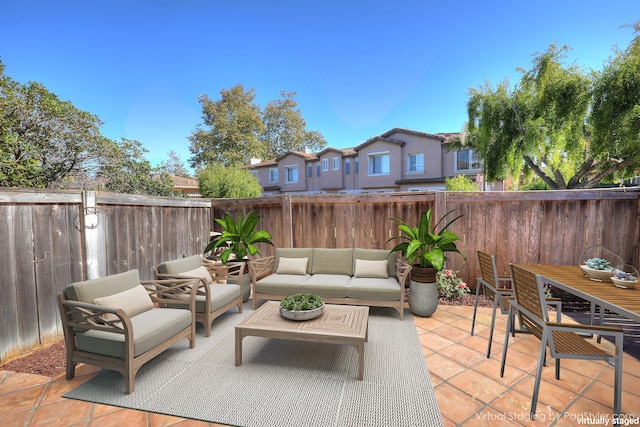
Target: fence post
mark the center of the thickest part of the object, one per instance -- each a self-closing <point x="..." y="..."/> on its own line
<point x="439" y="206"/>
<point x="287" y="223"/>
<point x="89" y="223"/>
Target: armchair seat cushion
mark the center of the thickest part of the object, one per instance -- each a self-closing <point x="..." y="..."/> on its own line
<point x="151" y="327"/>
<point x="372" y="288"/>
<point x="328" y="285"/>
<point x="221" y="295"/>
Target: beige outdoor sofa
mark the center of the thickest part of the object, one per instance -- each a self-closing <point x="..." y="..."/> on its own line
<point x="221" y="286"/>
<point x="372" y="277"/>
<point x="119" y="322"/>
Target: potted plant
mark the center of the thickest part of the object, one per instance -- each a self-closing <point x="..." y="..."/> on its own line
<point x="301" y="307"/>
<point x="425" y="248"/>
<point x="237" y="242"/>
<point x="238" y="238"/>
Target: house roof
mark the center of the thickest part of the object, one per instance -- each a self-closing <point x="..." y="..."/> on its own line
<point x="305" y="156"/>
<point x="379" y="138"/>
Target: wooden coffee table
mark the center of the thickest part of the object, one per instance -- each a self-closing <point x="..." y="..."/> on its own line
<point x="338" y="324"/>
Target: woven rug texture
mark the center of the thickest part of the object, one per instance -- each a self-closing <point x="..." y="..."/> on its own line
<point x="280" y="382"/>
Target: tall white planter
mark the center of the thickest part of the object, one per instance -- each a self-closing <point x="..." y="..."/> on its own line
<point x="423" y="298"/>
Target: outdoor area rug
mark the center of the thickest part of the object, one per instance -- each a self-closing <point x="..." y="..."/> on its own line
<point x="282" y="383"/>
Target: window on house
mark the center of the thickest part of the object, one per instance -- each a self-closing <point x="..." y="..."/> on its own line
<point x="379" y="164"/>
<point x="357" y="166"/>
<point x="347" y="166"/>
<point x="325" y="165"/>
<point x="273" y="175"/>
<point x="310" y="171"/>
<point x="467" y="160"/>
<point x="318" y="169"/>
<point x="415" y="163"/>
<point x="290" y="174"/>
<point x="336" y="163"/>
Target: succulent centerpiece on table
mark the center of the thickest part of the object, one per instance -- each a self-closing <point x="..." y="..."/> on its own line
<point x="598" y="269"/>
<point x="625" y="276"/>
<point x="301" y="307"/>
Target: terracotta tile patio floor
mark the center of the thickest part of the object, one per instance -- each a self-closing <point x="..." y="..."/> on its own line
<point x="468" y="386"/>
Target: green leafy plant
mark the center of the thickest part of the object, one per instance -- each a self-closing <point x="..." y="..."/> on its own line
<point x="239" y="237"/>
<point x="450" y="286"/>
<point x="423" y="243"/>
<point x="301" y="302"/>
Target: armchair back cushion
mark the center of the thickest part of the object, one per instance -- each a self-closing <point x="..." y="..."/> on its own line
<point x="180" y="265"/>
<point x="133" y="301"/>
<point x="294" y="253"/>
<point x="87" y="291"/>
<point x="333" y="261"/>
<point x="200" y="272"/>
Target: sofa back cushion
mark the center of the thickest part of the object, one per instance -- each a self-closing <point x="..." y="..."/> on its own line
<point x="180" y="265"/>
<point x="88" y="290"/>
<point x="378" y="255"/>
<point x="294" y="253"/>
<point x="333" y="261"/>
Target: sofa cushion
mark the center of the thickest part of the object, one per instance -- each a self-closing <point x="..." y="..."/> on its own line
<point x="327" y="285"/>
<point x="199" y="272"/>
<point x="133" y="301"/>
<point x="369" y="268"/>
<point x="88" y="290"/>
<point x="294" y="253"/>
<point x="292" y="265"/>
<point x="281" y="284"/>
<point x="333" y="261"/>
<point x="151" y="327"/>
<point x="377" y="255"/>
<point x="376" y="289"/>
<point x="180" y="265"/>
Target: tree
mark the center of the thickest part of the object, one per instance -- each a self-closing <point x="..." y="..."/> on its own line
<point x="124" y="170"/>
<point x="174" y="165"/>
<point x="460" y="183"/>
<point x="615" y="114"/>
<point x="285" y="129"/>
<point x="234" y="128"/>
<point x="218" y="181"/>
<point x="43" y="140"/>
<point x="552" y="124"/>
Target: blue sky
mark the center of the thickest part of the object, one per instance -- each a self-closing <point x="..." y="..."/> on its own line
<point x="359" y="68"/>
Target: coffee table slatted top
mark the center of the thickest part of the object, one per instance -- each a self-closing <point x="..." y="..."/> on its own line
<point x="340" y="320"/>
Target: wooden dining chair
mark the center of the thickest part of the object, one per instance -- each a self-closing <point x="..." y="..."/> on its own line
<point x="564" y="340"/>
<point x="495" y="289"/>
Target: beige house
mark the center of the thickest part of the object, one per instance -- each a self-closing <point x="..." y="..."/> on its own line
<point x="398" y="160"/>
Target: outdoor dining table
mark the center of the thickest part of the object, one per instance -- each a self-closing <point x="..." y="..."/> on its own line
<point x="570" y="278"/>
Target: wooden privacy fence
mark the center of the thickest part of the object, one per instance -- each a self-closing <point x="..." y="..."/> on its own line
<point x="547" y="227"/>
<point x="49" y="239"/>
